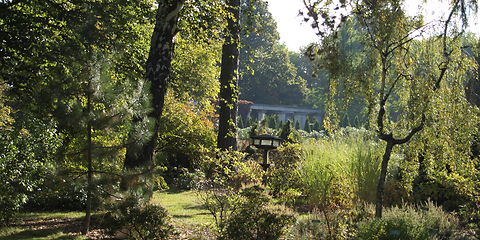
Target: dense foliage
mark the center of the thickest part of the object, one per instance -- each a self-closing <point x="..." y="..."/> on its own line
<point x="133" y="221"/>
<point x="26" y="159"/>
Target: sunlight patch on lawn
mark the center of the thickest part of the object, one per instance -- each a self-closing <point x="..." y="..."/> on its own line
<point x="183" y="206"/>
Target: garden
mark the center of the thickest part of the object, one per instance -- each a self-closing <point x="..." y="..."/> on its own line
<point x="133" y="120"/>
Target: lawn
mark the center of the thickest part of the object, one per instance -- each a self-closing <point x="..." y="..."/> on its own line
<point x="183" y="206"/>
<point x="44" y="226"/>
<point x="188" y="215"/>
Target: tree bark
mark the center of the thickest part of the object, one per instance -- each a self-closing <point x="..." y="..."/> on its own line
<point x="158" y="70"/>
<point x="228" y="96"/>
<point x="381" y="180"/>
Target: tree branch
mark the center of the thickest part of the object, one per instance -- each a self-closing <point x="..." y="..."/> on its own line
<point x="392" y="87"/>
<point x="412" y="132"/>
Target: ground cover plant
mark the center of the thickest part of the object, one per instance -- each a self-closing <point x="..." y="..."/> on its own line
<point x="410" y="222"/>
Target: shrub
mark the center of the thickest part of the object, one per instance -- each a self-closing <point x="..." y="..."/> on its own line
<point x="26" y="157"/>
<point x="407" y="222"/>
<point x="60" y="193"/>
<point x="186" y="133"/>
<point x="312" y="134"/>
<point x="225" y="175"/>
<point x="139" y="221"/>
<point x="231" y="170"/>
<point x="449" y="190"/>
<point x="470" y="216"/>
<point x="338" y="224"/>
<point x="254" y="220"/>
<point x="320" y="226"/>
<point x="283" y="177"/>
<point x="289" y="133"/>
<point x="186" y="179"/>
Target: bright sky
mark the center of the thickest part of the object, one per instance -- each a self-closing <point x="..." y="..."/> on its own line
<point x="295" y="33"/>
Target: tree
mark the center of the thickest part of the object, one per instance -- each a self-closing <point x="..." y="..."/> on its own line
<point x="307" y="126"/>
<point x="158" y="71"/>
<point x="52" y="52"/>
<point x="197" y="52"/>
<point x="228" y="97"/>
<point x="473" y="86"/>
<point x="403" y="79"/>
<point x="267" y="74"/>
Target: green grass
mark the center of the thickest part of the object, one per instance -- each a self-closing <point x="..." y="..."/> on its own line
<point x="183" y="206"/>
<point x="16" y="233"/>
<point x="24" y="232"/>
<point x="32" y="215"/>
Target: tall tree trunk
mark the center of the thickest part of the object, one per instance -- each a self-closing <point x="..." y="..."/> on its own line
<point x="228" y="97"/>
<point x="158" y="71"/>
<point x="88" y="209"/>
<point x="381" y="181"/>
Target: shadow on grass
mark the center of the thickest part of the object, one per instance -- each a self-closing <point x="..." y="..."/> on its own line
<point x="43" y="226"/>
<point x="198" y="207"/>
<point x="40" y="233"/>
<point x="182" y="216"/>
<point x="175" y="190"/>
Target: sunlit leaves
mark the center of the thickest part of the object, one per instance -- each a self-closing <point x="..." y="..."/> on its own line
<point x="203" y="20"/>
<point x="195" y="70"/>
<point x="5" y="110"/>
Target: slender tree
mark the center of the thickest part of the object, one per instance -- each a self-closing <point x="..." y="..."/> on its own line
<point x="388" y="35"/>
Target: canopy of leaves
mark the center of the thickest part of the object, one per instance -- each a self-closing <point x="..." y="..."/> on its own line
<point x="267" y="75"/>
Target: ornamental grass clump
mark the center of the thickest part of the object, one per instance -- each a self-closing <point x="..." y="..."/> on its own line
<point x="407" y="222"/>
<point x="365" y="171"/>
<point x="325" y="174"/>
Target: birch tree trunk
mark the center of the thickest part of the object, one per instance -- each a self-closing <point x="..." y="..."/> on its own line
<point x="158" y="71"/>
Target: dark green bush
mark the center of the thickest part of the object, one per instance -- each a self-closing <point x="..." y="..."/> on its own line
<point x="410" y="223"/>
<point x="255" y="220"/>
<point x="60" y="194"/>
<point x="139" y="221"/>
<point x="470" y="216"/>
<point x="451" y="191"/>
<point x="186" y="179"/>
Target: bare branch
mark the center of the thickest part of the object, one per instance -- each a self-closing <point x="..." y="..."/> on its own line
<point x="385" y="98"/>
<point x="406" y="39"/>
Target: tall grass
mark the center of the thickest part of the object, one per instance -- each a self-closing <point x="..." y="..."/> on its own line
<point x="339" y="170"/>
<point x="365" y="170"/>
<point x="325" y="172"/>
